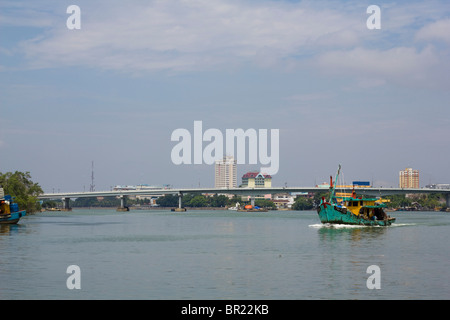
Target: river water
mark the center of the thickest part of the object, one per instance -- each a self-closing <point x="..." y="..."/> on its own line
<point x="219" y="254"/>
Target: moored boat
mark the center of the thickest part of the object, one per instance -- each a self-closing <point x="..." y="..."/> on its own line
<point x="250" y="208"/>
<point x="9" y="210"/>
<point x="236" y="207"/>
<point x="352" y="210"/>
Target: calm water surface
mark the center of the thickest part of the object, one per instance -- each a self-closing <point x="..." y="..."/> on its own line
<point x="222" y="255"/>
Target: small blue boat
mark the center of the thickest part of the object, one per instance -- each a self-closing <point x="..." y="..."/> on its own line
<point x="352" y="210"/>
<point x="9" y="210"/>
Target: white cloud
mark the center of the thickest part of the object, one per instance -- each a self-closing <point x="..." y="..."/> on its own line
<point x="439" y="30"/>
<point x="406" y="65"/>
<point x="199" y="34"/>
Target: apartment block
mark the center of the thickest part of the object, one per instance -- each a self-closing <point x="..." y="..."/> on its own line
<point x="409" y="178"/>
<point x="225" y="173"/>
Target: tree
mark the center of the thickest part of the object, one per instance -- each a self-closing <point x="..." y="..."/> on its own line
<point x="168" y="200"/>
<point x="198" y="201"/>
<point x="303" y="203"/>
<point x="95" y="202"/>
<point x="219" y="200"/>
<point x="398" y="201"/>
<point x="265" y="203"/>
<point x="25" y="191"/>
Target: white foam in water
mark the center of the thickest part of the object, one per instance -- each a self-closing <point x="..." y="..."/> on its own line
<point x="402" y="224"/>
<point x="335" y="226"/>
<point x="350" y="226"/>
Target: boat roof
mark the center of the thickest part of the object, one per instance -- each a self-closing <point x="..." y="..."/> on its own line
<point x="358" y="199"/>
<point x="377" y="206"/>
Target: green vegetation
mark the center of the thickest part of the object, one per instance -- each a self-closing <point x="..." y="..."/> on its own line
<point x="303" y="203"/>
<point x="264" y="203"/>
<point x="432" y="201"/>
<point x="308" y="203"/>
<point x="168" y="200"/>
<point x="94" y="202"/>
<point x="25" y="191"/>
<point x="105" y="202"/>
<point x="195" y="200"/>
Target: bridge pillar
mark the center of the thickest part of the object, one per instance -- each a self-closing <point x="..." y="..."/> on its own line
<point x="123" y="204"/>
<point x="252" y="201"/>
<point x="66" y="202"/>
<point x="180" y="208"/>
<point x="447" y="200"/>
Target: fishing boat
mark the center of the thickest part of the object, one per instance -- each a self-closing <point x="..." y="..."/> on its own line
<point x="352" y="210"/>
<point x="9" y="210"/>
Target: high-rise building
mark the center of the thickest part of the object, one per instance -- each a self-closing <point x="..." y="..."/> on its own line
<point x="225" y="173"/>
<point x="409" y="178"/>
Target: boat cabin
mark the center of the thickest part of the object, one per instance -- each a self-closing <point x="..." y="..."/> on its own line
<point x="368" y="208"/>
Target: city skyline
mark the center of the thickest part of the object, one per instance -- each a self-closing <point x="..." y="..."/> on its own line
<point x="113" y="91"/>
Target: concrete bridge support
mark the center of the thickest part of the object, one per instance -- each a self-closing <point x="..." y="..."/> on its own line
<point x="447" y="200"/>
<point x="123" y="204"/>
<point x="252" y="201"/>
<point x="180" y="198"/>
<point x="66" y="204"/>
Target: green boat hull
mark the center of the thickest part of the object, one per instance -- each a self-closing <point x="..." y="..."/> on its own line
<point x="330" y="213"/>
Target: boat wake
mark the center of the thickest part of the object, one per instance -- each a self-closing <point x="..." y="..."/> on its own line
<point x="349" y="226"/>
<point x="335" y="226"/>
<point x="403" y="224"/>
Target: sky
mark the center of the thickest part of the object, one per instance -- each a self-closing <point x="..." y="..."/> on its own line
<point x="113" y="91"/>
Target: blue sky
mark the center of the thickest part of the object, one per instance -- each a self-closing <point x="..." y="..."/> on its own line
<point x="375" y="101"/>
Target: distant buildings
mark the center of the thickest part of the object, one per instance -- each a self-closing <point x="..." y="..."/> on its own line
<point x="440" y="186"/>
<point x="225" y="173"/>
<point x="140" y="187"/>
<point x="409" y="178"/>
<point x="256" y="180"/>
<point x="344" y="191"/>
<point x="283" y="200"/>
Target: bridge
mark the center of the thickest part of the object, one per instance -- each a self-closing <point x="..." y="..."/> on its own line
<point x="252" y="192"/>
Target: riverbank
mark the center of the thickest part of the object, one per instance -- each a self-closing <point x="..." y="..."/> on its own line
<point x="148" y="208"/>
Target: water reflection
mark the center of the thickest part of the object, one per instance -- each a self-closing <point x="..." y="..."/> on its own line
<point x="345" y="252"/>
<point x="8" y="229"/>
<point x="347" y="232"/>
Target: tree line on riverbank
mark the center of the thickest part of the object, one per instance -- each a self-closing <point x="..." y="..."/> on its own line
<point x="433" y="201"/>
<point x="20" y="185"/>
<point x="426" y="202"/>
<point x="193" y="200"/>
<point x="216" y="201"/>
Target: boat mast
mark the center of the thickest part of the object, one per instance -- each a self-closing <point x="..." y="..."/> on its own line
<point x="333" y="186"/>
